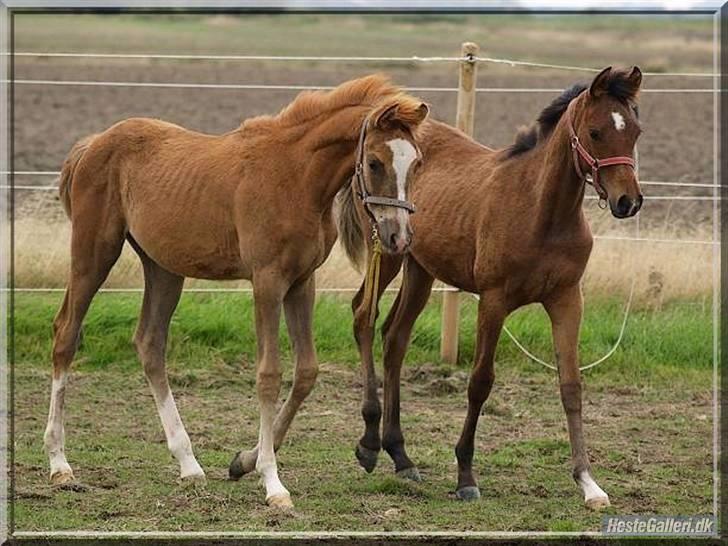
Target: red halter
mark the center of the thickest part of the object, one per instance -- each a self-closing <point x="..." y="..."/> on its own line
<point x="579" y="151"/>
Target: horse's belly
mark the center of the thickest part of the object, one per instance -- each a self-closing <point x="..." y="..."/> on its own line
<point x="191" y="249"/>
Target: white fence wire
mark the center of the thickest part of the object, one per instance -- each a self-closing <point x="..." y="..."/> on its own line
<point x="353" y="59"/>
<point x="276" y="87"/>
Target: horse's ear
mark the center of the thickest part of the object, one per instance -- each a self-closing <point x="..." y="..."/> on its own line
<point x="421" y="113"/>
<point x="401" y="114"/>
<point x="386" y="117"/>
<point x="600" y="85"/>
<point x="635" y="78"/>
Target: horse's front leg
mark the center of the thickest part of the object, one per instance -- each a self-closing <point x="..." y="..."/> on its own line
<point x="298" y="305"/>
<point x="565" y="310"/>
<point x="268" y="291"/>
<point x="491" y="314"/>
<point x="367" y="450"/>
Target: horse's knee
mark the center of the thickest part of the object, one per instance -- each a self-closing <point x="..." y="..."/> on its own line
<point x="268" y="384"/>
<point x="64" y="349"/>
<point x="362" y="326"/>
<point x="571" y="396"/>
<point x="371" y="411"/>
<point x="305" y="380"/>
<point x="150" y="354"/>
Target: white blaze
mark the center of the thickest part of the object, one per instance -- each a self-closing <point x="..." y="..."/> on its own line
<point x="403" y="154"/>
<point x="618" y="121"/>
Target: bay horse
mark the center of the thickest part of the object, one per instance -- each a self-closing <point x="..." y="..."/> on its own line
<point x="506" y="225"/>
<point x="255" y="203"/>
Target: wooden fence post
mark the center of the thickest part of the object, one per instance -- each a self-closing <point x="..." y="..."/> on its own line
<point x="464" y="121"/>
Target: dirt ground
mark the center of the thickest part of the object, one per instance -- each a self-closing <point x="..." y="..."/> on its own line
<point x="647" y="444"/>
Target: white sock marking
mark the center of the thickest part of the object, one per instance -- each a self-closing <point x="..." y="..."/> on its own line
<point x="618" y="121"/>
<point x="178" y="441"/>
<point x="590" y="487"/>
<point x="54" y="433"/>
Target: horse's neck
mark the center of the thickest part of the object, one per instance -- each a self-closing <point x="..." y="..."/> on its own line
<point x="561" y="191"/>
<point x="329" y="148"/>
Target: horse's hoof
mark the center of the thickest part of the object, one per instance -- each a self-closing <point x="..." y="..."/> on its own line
<point x="281" y="502"/>
<point x="468" y="493"/>
<point x="193" y="480"/>
<point x="597" y="503"/>
<point x="410" y="473"/>
<point x="367" y="457"/>
<point x="62" y="478"/>
<point x="235" y="470"/>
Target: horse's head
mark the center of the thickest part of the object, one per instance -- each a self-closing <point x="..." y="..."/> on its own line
<point x="607" y="127"/>
<point x="387" y="158"/>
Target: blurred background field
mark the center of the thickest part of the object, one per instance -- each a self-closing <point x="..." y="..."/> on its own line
<point x="647" y="409"/>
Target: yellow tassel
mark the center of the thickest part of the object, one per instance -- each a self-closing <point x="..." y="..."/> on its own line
<point x="371" y="282"/>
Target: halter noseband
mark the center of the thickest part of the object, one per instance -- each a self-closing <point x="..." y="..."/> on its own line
<point x="578" y="151"/>
<point x="363" y="193"/>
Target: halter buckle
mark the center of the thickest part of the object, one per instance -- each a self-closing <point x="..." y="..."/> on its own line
<point x="602" y="203"/>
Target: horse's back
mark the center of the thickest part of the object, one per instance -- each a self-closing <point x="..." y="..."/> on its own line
<point x="173" y="189"/>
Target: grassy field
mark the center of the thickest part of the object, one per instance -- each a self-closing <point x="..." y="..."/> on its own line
<point x="650" y="442"/>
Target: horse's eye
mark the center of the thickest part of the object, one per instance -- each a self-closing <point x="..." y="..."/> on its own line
<point x="375" y="165"/>
<point x="594" y="134"/>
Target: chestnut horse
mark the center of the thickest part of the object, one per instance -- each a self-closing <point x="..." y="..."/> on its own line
<point x="256" y="204"/>
<point x="507" y="225"/>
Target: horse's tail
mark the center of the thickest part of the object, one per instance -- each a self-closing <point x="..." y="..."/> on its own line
<point x="350" y="230"/>
<point x="68" y="170"/>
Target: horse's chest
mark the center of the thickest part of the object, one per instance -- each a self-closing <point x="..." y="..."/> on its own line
<point x="535" y="277"/>
<point x="317" y="245"/>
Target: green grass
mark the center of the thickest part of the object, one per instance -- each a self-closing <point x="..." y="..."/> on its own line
<point x="219" y="327"/>
<point x="647" y="419"/>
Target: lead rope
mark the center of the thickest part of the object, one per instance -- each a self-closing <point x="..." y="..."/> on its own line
<point x="627" y="309"/>
<point x="371" y="282"/>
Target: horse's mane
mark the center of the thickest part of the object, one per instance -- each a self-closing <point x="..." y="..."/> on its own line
<point x="527" y="138"/>
<point x="368" y="91"/>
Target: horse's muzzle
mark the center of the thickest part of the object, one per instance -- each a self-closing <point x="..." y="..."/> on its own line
<point x="396" y="235"/>
<point x="626" y="206"/>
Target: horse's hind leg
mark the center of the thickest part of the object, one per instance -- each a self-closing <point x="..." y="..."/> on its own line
<point x="298" y="306"/>
<point x="94" y="250"/>
<point x="162" y="291"/>
<point x="396" y="332"/>
<point x="367" y="450"/>
<point x="565" y="311"/>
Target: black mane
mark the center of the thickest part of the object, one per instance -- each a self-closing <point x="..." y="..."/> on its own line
<point x="617" y="84"/>
<point x="528" y="137"/>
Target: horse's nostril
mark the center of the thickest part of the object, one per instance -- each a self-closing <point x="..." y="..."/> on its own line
<point x="624" y="204"/>
<point x="393" y="240"/>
